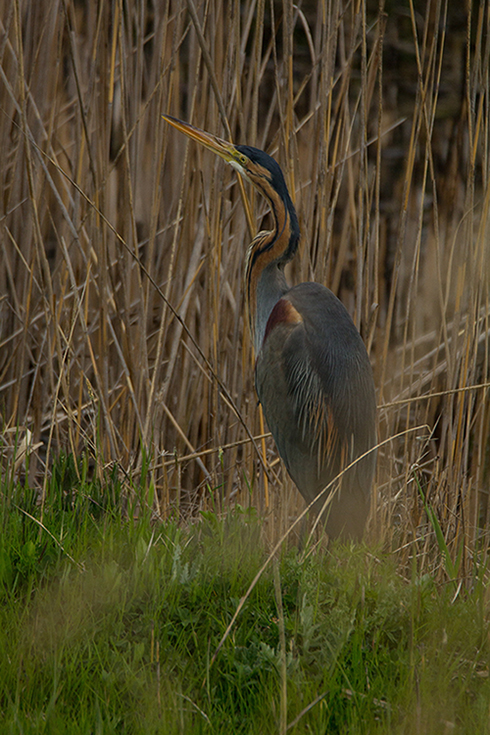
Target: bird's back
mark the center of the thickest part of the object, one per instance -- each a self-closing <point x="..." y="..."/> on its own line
<point x="315" y="383"/>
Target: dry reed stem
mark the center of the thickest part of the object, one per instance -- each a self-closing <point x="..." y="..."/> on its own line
<point x="122" y="246"/>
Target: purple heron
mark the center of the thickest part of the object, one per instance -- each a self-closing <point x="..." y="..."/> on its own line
<point x="313" y="376"/>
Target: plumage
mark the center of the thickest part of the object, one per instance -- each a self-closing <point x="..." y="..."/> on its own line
<point x="315" y="384"/>
<point x="313" y="376"/>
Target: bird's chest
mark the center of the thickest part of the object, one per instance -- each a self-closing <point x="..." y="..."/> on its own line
<point x="283" y="338"/>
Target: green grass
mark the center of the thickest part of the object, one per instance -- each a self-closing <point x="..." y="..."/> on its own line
<point x="110" y="623"/>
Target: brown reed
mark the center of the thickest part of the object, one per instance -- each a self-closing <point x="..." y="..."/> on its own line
<point x="123" y="332"/>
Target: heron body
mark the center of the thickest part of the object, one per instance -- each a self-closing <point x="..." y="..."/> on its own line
<point x="312" y="375"/>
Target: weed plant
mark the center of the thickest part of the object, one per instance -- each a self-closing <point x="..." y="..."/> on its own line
<point x="110" y="622"/>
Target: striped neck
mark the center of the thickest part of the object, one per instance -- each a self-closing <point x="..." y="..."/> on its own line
<point x="268" y="254"/>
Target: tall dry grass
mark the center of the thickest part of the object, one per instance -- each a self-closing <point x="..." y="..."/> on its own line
<point x="122" y="244"/>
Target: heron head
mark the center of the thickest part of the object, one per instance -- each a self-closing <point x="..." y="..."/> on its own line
<point x="252" y="163"/>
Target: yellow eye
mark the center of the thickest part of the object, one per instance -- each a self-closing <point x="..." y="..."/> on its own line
<point x="243" y="159"/>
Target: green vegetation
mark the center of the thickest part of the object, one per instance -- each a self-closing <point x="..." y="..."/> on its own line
<point x="110" y="619"/>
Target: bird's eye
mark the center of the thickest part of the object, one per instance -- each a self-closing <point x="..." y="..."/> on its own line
<point x="242" y="159"/>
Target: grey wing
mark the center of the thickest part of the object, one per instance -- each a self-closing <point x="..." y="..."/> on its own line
<point x="296" y="409"/>
<point x="315" y="384"/>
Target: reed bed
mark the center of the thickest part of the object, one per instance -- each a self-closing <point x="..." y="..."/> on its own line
<point x="123" y="333"/>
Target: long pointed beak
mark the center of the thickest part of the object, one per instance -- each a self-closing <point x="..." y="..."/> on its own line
<point x="226" y="150"/>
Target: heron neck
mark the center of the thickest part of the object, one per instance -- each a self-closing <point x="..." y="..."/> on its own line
<point x="271" y="286"/>
<point x="267" y="256"/>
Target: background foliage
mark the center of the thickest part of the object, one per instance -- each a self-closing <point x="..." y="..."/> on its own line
<point x="122" y="245"/>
